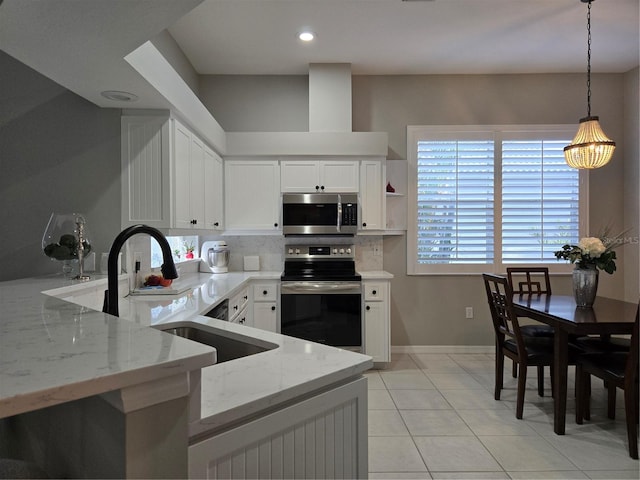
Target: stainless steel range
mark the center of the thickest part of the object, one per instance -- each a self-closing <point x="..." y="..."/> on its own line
<point x="321" y="295"/>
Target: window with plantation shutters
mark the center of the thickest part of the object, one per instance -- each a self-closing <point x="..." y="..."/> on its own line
<point x="540" y="201"/>
<point x="455" y="202"/>
<point x="484" y="198"/>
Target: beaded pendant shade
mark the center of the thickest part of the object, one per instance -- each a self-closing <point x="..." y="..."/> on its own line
<point x="590" y="148"/>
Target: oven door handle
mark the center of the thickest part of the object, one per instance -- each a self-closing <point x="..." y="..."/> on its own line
<point x="320" y="287"/>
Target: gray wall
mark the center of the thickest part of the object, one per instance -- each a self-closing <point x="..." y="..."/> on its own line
<point x="419" y="314"/>
<point x="58" y="153"/>
<point x="429" y="310"/>
<point x="257" y="103"/>
<point x="631" y="182"/>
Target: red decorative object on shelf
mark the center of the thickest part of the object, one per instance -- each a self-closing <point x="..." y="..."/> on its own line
<point x="390" y="189"/>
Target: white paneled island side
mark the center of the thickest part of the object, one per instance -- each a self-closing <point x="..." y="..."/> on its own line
<point x="157" y="403"/>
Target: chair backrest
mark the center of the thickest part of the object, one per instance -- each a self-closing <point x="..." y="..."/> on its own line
<point x="631" y="369"/>
<point x="500" y="298"/>
<point x="536" y="280"/>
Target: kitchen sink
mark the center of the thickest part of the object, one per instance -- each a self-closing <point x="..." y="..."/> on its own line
<point x="227" y="348"/>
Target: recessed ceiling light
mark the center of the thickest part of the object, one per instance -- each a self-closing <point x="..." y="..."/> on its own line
<point x="306" y="36"/>
<point x="119" y="96"/>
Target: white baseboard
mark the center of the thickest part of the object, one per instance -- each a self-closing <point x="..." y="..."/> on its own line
<point x="443" y="349"/>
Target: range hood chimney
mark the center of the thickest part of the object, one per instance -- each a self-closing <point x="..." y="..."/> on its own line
<point x="330" y="125"/>
<point x="330" y="97"/>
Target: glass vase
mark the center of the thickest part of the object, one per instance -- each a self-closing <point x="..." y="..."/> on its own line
<point x="585" y="286"/>
<point x="60" y="241"/>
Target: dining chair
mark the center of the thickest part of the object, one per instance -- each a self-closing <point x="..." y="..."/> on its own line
<point x="617" y="370"/>
<point x="525" y="351"/>
<point x="530" y="281"/>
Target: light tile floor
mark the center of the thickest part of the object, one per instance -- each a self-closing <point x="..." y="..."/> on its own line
<point x="434" y="416"/>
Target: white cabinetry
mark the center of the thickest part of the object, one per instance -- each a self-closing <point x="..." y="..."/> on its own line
<point x="396" y="202"/>
<point x="188" y="172"/>
<point x="214" y="192"/>
<point x="167" y="172"/>
<point x="252" y="195"/>
<point x="265" y="305"/>
<point x="238" y="311"/>
<point x="372" y="195"/>
<point x="324" y="436"/>
<point x="305" y="176"/>
<point x="377" y="325"/>
<point x="146" y="171"/>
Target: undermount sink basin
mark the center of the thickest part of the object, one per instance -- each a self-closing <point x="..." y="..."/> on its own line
<point x="227" y="348"/>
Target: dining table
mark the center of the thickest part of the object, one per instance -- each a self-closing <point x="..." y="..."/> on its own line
<point x="607" y="316"/>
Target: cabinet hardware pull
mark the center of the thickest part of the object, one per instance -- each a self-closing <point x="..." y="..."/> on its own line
<point x="364" y="224"/>
<point x="368" y="307"/>
<point x="216" y="224"/>
<point x="264" y="292"/>
<point x="317" y="187"/>
<point x="275" y="225"/>
<point x="273" y="308"/>
<point x="374" y="292"/>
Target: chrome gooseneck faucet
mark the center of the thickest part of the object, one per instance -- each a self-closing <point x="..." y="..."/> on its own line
<point x="168" y="268"/>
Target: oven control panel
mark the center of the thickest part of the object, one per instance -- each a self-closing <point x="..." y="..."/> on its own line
<point x="320" y="251"/>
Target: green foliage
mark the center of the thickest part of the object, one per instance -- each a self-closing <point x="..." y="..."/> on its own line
<point x="573" y="253"/>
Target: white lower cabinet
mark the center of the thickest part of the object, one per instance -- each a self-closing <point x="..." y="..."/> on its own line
<point x="324" y="436"/>
<point x="238" y="308"/>
<point x="377" y="325"/>
<point x="265" y="305"/>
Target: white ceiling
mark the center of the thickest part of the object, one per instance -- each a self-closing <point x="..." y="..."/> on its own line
<point x="413" y="37"/>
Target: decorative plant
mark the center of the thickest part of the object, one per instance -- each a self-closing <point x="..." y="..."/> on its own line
<point x="176" y="252"/>
<point x="593" y="252"/>
<point x="189" y="247"/>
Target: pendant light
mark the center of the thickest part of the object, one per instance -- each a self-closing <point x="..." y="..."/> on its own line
<point x="590" y="148"/>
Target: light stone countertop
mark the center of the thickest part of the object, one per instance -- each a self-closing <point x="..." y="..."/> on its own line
<point x="376" y="275"/>
<point x="53" y="351"/>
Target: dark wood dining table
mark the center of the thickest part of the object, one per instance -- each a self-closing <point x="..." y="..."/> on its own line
<point x="607" y="317"/>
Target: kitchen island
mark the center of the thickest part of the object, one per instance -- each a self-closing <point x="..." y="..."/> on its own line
<point x="59" y="356"/>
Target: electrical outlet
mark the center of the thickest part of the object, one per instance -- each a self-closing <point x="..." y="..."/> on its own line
<point x="468" y="312"/>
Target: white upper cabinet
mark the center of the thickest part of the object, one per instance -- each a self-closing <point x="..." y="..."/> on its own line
<point x="167" y="175"/>
<point x="213" y="192"/>
<point x="252" y="195"/>
<point x="372" y="197"/>
<point x="308" y="176"/>
<point x="146" y="172"/>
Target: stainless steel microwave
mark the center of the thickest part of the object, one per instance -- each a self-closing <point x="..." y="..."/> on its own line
<point x="320" y="213"/>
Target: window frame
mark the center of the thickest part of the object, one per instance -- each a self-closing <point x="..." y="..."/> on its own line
<point x="498" y="133"/>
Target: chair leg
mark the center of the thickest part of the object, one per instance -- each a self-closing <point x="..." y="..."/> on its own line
<point x="514" y="370"/>
<point x="522" y="385"/>
<point x="630" y="405"/>
<point x="587" y="397"/>
<point x="540" y="381"/>
<point x="499" y="368"/>
<point x="611" y="401"/>
<point x="552" y="376"/>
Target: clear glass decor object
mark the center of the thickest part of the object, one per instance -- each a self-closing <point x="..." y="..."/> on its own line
<point x="585" y="286"/>
<point x="60" y="240"/>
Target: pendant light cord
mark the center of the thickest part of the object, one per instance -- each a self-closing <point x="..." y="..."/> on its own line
<point x="589" y="59"/>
